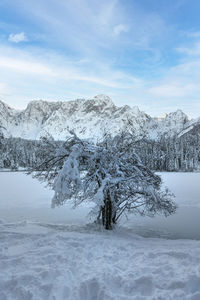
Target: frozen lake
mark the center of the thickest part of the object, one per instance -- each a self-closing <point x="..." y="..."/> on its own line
<point x="185" y="223"/>
<point x="40" y="259"/>
<point x="25" y="199"/>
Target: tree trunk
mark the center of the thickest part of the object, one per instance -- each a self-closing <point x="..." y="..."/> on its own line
<point x="108" y="214"/>
<point x="114" y="221"/>
<point x="106" y="211"/>
<point x="103" y="215"/>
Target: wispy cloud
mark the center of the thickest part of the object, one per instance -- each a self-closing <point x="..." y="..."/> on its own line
<point x="192" y="50"/>
<point x="120" y="28"/>
<point x="102" y="75"/>
<point x="4" y="89"/>
<point x="17" y="38"/>
<point x="94" y="28"/>
<point x="128" y="49"/>
<point x="34" y="74"/>
<point x="26" y="66"/>
<point x="173" y="90"/>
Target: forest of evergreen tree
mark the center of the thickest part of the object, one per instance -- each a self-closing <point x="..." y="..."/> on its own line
<point x="167" y="154"/>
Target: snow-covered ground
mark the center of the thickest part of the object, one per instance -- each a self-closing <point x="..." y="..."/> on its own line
<point x="186" y="222"/>
<point x="53" y="254"/>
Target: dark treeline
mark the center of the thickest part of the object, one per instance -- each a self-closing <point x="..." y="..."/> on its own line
<point x="18" y="153"/>
<point x="171" y="154"/>
<point x="167" y="154"/>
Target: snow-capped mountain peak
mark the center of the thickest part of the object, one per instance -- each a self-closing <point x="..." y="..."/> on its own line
<point x="89" y="118"/>
<point x="103" y="99"/>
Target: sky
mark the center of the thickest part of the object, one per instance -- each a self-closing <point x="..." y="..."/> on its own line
<point x="143" y="53"/>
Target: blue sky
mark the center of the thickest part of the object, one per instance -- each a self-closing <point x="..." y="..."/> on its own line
<point x="138" y="52"/>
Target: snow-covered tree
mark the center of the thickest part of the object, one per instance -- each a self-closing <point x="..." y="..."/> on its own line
<point x="110" y="174"/>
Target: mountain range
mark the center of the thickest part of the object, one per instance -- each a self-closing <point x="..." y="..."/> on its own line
<point x="89" y="118"/>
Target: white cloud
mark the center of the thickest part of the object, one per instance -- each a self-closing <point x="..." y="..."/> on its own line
<point x="173" y="90"/>
<point x="118" y="29"/>
<point x="4" y="90"/>
<point x="33" y="77"/>
<point x="193" y="34"/>
<point x="47" y="65"/>
<point x="26" y="66"/>
<point x="194" y="50"/>
<point x="17" y="38"/>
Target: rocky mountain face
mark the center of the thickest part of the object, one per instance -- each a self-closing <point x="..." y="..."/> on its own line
<point x="89" y="119"/>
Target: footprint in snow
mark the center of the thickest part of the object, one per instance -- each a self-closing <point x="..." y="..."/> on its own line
<point x="91" y="289"/>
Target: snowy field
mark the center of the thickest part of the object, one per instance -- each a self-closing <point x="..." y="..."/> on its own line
<point x="56" y="255"/>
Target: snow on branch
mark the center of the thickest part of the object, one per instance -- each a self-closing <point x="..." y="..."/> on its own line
<point x="110" y="174"/>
